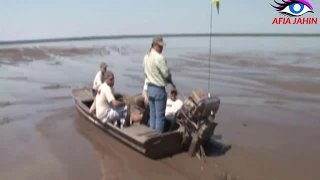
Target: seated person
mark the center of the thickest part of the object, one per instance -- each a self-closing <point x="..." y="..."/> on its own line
<point x="139" y="109"/>
<point x="98" y="80"/>
<point x="173" y="105"/>
<point x="109" y="109"/>
<point x="137" y="106"/>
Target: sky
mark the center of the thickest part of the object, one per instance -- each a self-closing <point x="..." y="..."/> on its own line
<point x="37" y="19"/>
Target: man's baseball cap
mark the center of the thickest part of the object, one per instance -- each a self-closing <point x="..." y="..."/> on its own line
<point x="158" y="40"/>
<point x="103" y="65"/>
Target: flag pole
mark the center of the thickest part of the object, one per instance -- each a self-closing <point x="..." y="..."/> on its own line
<point x="210" y="35"/>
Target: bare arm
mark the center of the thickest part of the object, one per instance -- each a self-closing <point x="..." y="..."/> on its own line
<point x="111" y="99"/>
<point x="117" y="103"/>
<point x="169" y="80"/>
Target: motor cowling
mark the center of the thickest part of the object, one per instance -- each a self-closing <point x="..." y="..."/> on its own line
<point x="198" y="107"/>
<point x="196" y="116"/>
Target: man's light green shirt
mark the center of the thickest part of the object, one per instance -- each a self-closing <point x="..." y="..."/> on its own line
<point x="155" y="68"/>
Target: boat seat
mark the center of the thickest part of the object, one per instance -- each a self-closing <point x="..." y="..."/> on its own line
<point x="139" y="132"/>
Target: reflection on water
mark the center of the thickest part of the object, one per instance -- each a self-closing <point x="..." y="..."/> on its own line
<point x="118" y="161"/>
<point x="111" y="163"/>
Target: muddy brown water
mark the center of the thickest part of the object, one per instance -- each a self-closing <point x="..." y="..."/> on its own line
<point x="269" y="112"/>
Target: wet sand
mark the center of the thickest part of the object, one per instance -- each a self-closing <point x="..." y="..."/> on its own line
<point x="27" y="54"/>
<point x="269" y="113"/>
<point x="52" y="87"/>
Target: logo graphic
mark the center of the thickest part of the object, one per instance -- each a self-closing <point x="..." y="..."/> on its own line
<point x="293" y="9"/>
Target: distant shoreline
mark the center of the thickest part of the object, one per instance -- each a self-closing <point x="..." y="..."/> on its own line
<point x="88" y="38"/>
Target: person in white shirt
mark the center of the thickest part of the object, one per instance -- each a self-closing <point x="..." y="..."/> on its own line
<point x="98" y="79"/>
<point x="173" y="105"/>
<point x="108" y="108"/>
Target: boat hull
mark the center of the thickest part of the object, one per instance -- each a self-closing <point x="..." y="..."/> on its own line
<point x="138" y="137"/>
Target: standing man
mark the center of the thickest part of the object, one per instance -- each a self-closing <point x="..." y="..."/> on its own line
<point x="157" y="77"/>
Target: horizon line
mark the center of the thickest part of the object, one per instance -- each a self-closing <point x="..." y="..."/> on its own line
<point x="140" y="36"/>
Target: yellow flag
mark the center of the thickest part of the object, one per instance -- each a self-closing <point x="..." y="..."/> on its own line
<point x="217" y="2"/>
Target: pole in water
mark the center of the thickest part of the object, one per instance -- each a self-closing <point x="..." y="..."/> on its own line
<point x="210" y="35"/>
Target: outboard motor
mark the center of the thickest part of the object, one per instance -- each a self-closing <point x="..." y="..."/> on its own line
<point x="196" y="117"/>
